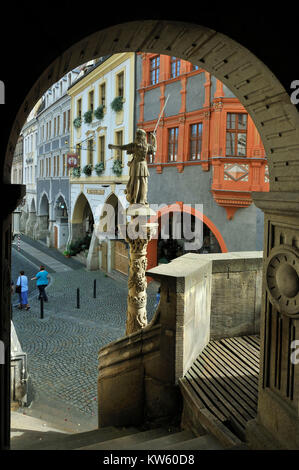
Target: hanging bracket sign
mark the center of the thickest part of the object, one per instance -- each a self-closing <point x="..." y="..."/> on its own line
<point x="72" y="160"/>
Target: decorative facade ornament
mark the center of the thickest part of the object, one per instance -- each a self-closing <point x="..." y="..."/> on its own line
<point x="282" y="280"/>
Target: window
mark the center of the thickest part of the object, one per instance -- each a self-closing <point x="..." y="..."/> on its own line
<point x="120" y="84"/>
<point x="195" y="141"/>
<point x="58" y="125"/>
<point x="54" y="169"/>
<point x="236" y="134"/>
<point x="175" y="65"/>
<point x="90" y="152"/>
<point x="58" y="165"/>
<point x="119" y="141"/>
<point x="90" y="100"/>
<point x="68" y="119"/>
<point x="78" y="152"/>
<point x="102" y="149"/>
<point x="103" y="94"/>
<point x="64" y="122"/>
<point x="54" y="126"/>
<point x="79" y="108"/>
<point x="154" y="70"/>
<point x="195" y="67"/>
<point x="173" y="144"/>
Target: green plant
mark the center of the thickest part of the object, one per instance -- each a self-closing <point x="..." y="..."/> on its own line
<point x="88" y="117"/>
<point x="117" y="167"/>
<point x="77" y="122"/>
<point x="99" y="112"/>
<point x="76" y="173"/>
<point x="67" y="253"/>
<point x="99" y="168"/>
<point x="87" y="169"/>
<point x="117" y="104"/>
<point x="79" y="245"/>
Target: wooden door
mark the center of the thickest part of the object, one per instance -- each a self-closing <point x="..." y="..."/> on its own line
<point x="104" y="256"/>
<point x="55" y="236"/>
<point x="121" y="257"/>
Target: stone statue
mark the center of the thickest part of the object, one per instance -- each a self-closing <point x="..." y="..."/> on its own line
<point x="136" y="189"/>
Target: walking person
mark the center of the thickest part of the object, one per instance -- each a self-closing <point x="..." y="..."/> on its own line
<point x="42" y="281"/>
<point x="22" y="290"/>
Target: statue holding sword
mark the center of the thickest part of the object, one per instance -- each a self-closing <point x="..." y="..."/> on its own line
<point x="136" y="190"/>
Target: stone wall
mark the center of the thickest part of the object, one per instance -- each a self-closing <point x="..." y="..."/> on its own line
<point x="202" y="297"/>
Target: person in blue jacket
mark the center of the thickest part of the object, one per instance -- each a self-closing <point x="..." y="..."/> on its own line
<point x="42" y="281"/>
<point x="23" y="295"/>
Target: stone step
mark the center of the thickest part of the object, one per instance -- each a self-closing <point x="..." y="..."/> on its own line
<point x="163" y="442"/>
<point x="49" y="441"/>
<point x="127" y="441"/>
<point x="206" y="442"/>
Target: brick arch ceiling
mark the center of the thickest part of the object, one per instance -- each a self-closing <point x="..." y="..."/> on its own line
<point x="260" y="92"/>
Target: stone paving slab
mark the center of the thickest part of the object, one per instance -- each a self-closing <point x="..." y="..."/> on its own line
<point x="62" y="348"/>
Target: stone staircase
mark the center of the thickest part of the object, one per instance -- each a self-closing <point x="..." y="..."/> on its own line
<point x="113" y="438"/>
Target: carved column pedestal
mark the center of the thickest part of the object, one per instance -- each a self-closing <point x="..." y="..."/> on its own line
<point x="277" y="422"/>
<point x="137" y="284"/>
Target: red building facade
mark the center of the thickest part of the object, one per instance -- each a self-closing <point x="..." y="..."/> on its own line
<point x="217" y="136"/>
<point x="220" y="137"/>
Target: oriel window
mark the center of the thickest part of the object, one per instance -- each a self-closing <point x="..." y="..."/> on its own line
<point x="173" y="134"/>
<point x="195" y="141"/>
<point x="236" y="134"/>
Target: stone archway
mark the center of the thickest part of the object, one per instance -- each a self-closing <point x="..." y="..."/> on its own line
<point x="181" y="208"/>
<point x="60" y="223"/>
<point x="249" y="79"/>
<point x="31" y="221"/>
<point x="82" y="222"/>
<point x="277" y="121"/>
<point x="41" y="228"/>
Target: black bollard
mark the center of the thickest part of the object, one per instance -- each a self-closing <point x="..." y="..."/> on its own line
<point x="41" y="308"/>
<point x="95" y="289"/>
<point x="78" y="297"/>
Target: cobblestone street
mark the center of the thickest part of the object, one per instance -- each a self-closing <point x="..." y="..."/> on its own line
<point x="62" y="348"/>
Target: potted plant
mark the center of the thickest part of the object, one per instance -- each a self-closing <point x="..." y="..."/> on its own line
<point x="99" y="112"/>
<point x="88" y="117"/>
<point x="117" y="167"/>
<point x="99" y="168"/>
<point x="76" y="173"/>
<point x="67" y="253"/>
<point x="117" y="104"/>
<point x="87" y="169"/>
<point x="77" y="122"/>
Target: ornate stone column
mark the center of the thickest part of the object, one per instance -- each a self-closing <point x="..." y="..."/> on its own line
<point x="137" y="284"/>
<point x="277" y="422"/>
